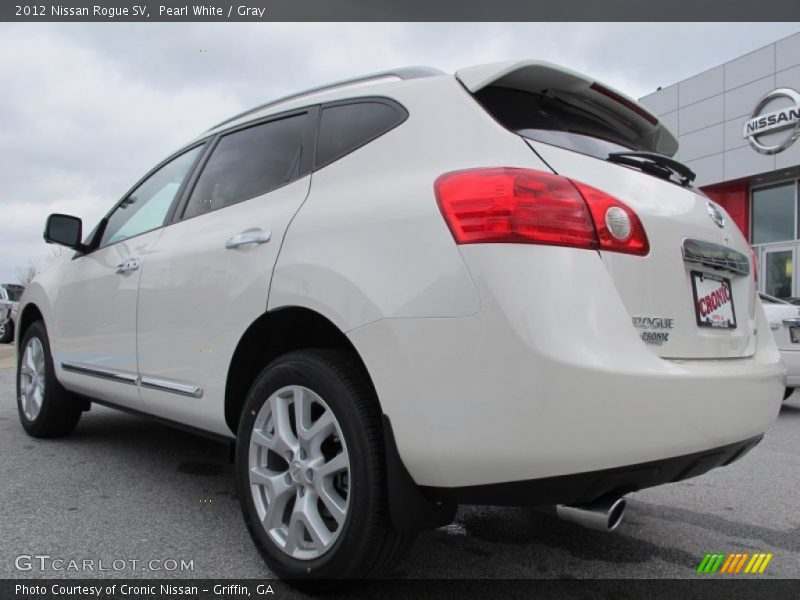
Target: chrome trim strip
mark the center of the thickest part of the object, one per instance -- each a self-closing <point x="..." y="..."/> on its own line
<point x="102" y="373"/>
<point x="792" y="321"/>
<point x="132" y="379"/>
<point x="171" y="386"/>
<point x="715" y="256"/>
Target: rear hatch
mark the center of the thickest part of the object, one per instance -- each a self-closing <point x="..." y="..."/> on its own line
<point x="693" y="294"/>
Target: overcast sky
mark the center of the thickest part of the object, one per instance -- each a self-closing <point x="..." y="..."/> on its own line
<point x="86" y="109"/>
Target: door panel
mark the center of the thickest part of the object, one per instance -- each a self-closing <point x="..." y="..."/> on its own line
<point x="198" y="296"/>
<point x="94" y="332"/>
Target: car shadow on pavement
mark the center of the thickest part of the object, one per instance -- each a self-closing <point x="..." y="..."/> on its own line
<point x="483" y="541"/>
<point x="527" y="542"/>
<point x="161" y="449"/>
<point x="491" y="542"/>
<point x="790" y="411"/>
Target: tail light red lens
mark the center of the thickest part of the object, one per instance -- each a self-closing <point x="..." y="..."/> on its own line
<point x="754" y="262"/>
<point x="508" y="205"/>
<point x="604" y="208"/>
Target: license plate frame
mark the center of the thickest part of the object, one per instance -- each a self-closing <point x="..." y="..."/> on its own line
<point x="710" y="308"/>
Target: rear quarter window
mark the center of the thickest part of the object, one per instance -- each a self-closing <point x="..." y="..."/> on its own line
<point x="346" y="127"/>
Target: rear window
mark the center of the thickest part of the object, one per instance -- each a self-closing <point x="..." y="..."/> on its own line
<point x="556" y="121"/>
<point x="347" y="127"/>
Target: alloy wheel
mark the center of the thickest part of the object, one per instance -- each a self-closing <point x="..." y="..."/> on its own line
<point x="299" y="472"/>
<point x="32" y="379"/>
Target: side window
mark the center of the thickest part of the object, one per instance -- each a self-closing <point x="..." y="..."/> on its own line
<point x="147" y="206"/>
<point x="249" y="163"/>
<point x="347" y="127"/>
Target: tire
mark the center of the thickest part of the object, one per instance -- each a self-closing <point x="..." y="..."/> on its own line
<point x="45" y="408"/>
<point x="7" y="332"/>
<point x="362" y="542"/>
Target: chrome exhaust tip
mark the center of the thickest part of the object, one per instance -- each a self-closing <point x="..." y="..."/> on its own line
<point x="604" y="514"/>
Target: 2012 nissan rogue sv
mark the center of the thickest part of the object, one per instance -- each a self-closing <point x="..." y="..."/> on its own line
<point x="413" y="290"/>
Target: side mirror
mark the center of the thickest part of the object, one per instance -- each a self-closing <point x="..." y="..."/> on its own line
<point x="64" y="230"/>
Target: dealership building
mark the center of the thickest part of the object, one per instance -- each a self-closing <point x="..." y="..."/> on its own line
<point x="738" y="126"/>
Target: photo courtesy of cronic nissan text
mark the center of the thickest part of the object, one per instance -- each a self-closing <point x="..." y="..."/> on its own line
<point x="375" y="299"/>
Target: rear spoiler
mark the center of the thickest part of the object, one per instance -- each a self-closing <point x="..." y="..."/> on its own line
<point x="574" y="88"/>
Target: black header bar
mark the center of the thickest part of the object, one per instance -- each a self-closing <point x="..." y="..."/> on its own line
<point x="398" y="10"/>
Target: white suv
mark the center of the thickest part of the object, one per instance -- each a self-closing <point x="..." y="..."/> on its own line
<point x="409" y="291"/>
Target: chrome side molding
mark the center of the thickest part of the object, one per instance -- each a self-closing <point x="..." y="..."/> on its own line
<point x="110" y="374"/>
<point x="172" y="386"/>
<point x="155" y="383"/>
<point x="715" y="256"/>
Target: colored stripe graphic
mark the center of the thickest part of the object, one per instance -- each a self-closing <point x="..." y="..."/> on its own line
<point x="741" y="562"/>
<point x="728" y="562"/>
<point x="711" y="562"/>
<point x="759" y="563"/>
<point x="734" y="563"/>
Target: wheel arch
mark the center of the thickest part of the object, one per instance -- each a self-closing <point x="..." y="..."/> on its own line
<point x="28" y="315"/>
<point x="294" y="328"/>
<point x="273" y="334"/>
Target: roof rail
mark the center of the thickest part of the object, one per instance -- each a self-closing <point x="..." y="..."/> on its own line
<point x="403" y="73"/>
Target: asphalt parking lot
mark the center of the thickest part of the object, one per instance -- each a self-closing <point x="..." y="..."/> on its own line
<point x="122" y="487"/>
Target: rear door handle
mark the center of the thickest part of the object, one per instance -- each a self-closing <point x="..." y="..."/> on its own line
<point x="251" y="236"/>
<point x="129" y="264"/>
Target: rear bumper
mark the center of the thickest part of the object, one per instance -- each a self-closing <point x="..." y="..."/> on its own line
<point x="550" y="379"/>
<point x="583" y="488"/>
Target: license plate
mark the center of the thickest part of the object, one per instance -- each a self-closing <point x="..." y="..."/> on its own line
<point x="713" y="301"/>
<point x="794" y="333"/>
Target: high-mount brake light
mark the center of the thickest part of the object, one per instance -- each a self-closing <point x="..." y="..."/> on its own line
<point x="601" y="89"/>
<point x="511" y="205"/>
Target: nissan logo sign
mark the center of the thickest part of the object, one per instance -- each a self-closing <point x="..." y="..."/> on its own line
<point x="762" y="129"/>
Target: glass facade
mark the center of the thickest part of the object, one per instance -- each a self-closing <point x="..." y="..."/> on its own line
<point x="775" y="225"/>
<point x="778" y="273"/>
<point x="774" y="214"/>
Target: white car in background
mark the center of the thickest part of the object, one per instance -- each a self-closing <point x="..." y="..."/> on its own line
<point x="784" y="321"/>
<point x="5" y="316"/>
<point x="413" y="290"/>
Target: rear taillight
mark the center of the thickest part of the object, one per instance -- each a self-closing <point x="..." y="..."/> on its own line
<point x="508" y="205"/>
<point x="618" y="227"/>
<point x="754" y="262"/>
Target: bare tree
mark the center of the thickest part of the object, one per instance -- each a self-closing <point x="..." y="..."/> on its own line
<point x="36" y="265"/>
<point x="54" y="254"/>
<point x="26" y="274"/>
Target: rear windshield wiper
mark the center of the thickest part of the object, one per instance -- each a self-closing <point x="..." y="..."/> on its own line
<point x="655" y="164"/>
